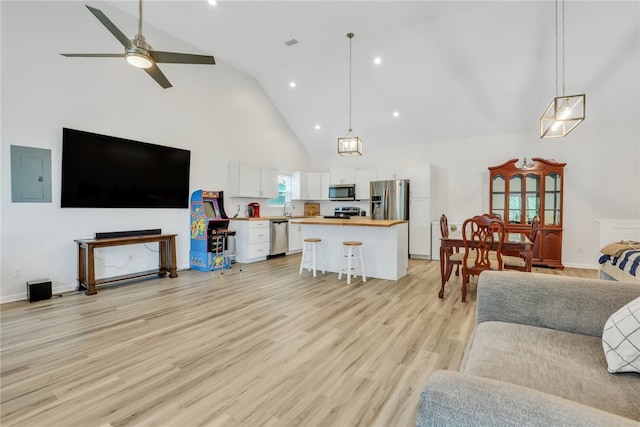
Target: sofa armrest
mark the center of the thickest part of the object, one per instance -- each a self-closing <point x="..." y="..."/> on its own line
<point x="570" y="304"/>
<point x="454" y="399"/>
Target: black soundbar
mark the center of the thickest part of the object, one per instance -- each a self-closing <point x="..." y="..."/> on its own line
<point x="114" y="234"/>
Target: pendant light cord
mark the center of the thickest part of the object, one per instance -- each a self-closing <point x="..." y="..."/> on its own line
<point x="557" y="60"/>
<point x="556" y="48"/>
<point x="562" y="47"/>
<point x="350" y="35"/>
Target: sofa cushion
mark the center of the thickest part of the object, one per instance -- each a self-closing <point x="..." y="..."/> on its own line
<point x="621" y="339"/>
<point x="564" y="364"/>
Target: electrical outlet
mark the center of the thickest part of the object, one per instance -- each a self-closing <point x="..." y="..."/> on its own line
<point x="17" y="272"/>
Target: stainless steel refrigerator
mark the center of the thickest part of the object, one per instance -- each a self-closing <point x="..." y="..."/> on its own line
<point x="390" y="199"/>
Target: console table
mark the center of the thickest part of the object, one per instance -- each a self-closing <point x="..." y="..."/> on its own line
<point x="86" y="261"/>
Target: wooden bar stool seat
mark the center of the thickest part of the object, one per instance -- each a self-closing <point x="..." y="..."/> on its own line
<point x="352" y="262"/>
<point x="312" y="255"/>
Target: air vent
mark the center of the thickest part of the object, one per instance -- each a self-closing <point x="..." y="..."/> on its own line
<point x="291" y="42"/>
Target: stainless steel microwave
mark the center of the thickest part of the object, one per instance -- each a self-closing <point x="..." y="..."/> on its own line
<point x="342" y="192"/>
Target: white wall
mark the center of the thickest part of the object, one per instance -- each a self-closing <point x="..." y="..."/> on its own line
<point x="218" y="113"/>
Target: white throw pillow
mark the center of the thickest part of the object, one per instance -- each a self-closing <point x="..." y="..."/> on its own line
<point x="621" y="339"/>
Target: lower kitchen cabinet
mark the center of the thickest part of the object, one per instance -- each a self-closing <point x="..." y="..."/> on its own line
<point x="252" y="240"/>
<point x="295" y="238"/>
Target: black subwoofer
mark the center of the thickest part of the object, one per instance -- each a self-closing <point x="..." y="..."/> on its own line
<point x="38" y="290"/>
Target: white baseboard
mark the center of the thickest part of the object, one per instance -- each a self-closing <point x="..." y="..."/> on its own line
<point x="579" y="265"/>
<point x="22" y="296"/>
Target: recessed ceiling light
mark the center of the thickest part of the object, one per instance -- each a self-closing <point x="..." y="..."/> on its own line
<point x="396" y="114"/>
<point x="292" y="84"/>
<point x="317" y="127"/>
<point x="213" y="2"/>
<point x="377" y="60"/>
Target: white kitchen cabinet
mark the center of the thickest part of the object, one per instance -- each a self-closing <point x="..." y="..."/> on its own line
<point x="420" y="177"/>
<point x="343" y="175"/>
<point x="253" y="181"/>
<point x="295" y="238"/>
<point x="389" y="174"/>
<point x="314" y="185"/>
<point x="420" y="228"/>
<point x="325" y="179"/>
<point x="252" y="240"/>
<point x="363" y="179"/>
<point x="299" y="185"/>
<point x="305" y="186"/>
<point x="268" y="182"/>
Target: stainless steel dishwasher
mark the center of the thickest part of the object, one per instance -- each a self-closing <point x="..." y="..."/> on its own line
<point x="279" y="242"/>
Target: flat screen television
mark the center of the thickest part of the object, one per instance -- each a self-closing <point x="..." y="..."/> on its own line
<point x="100" y="171"/>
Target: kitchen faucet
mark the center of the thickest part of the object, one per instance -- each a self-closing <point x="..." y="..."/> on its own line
<point x="285" y="212"/>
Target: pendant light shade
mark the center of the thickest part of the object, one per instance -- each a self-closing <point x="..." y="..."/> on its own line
<point x="350" y="144"/>
<point x="565" y="112"/>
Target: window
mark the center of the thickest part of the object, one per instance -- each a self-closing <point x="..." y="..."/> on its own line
<point x="284" y="191"/>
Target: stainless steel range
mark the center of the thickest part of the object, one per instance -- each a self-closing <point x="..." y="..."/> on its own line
<point x="344" y="212"/>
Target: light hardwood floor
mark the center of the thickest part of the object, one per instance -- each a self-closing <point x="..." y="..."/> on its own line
<point x="261" y="346"/>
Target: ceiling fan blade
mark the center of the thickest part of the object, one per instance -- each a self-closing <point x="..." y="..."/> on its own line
<point x="93" y="55"/>
<point x="157" y="75"/>
<point x="110" y="26"/>
<point x="181" y="58"/>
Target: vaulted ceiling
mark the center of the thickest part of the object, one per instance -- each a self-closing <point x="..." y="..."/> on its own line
<point x="450" y="69"/>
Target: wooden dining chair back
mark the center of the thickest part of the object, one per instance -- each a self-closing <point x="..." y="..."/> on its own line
<point x="535" y="224"/>
<point x="483" y="238"/>
<point x="449" y="256"/>
<point x="523" y="260"/>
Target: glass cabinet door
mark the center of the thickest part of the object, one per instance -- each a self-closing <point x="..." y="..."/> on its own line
<point x="515" y="200"/>
<point x="498" y="196"/>
<point x="552" y="199"/>
<point x="532" y="194"/>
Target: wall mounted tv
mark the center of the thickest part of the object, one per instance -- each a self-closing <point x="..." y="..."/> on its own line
<point x="100" y="171"/>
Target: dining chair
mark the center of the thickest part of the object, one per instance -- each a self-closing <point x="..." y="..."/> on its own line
<point x="483" y="237"/>
<point x="451" y="257"/>
<point x="523" y="261"/>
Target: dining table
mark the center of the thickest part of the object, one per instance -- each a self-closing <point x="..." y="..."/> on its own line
<point x="513" y="243"/>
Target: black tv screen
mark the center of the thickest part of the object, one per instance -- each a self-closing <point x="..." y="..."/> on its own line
<point x="100" y="171"/>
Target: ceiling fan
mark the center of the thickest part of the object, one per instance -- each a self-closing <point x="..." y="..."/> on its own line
<point x="138" y="52"/>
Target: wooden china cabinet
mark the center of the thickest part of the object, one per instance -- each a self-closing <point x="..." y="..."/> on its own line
<point x="518" y="193"/>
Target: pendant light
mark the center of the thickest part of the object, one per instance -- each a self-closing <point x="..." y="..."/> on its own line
<point x="565" y="112"/>
<point x="350" y="144"/>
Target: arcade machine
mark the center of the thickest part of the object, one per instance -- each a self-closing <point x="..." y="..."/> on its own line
<point x="209" y="232"/>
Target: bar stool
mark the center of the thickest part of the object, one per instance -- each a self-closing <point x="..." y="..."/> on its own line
<point x="311" y="248"/>
<point x="352" y="262"/>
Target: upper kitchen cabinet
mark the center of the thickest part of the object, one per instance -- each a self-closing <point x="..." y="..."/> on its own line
<point x="343" y="175"/>
<point x="299" y="185"/>
<point x="420" y="185"/>
<point x="306" y="186"/>
<point x="390" y="174"/>
<point x="363" y="179"/>
<point x="253" y="181"/>
<point x="325" y="179"/>
<point x="517" y="194"/>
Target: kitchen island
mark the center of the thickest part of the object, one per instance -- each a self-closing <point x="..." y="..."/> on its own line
<point x="385" y="243"/>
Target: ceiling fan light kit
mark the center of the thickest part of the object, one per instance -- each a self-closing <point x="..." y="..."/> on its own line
<point x="138" y="52"/>
<point x="565" y="112"/>
<point x="350" y="144"/>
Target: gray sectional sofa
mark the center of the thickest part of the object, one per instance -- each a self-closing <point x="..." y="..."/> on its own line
<point x="536" y="358"/>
